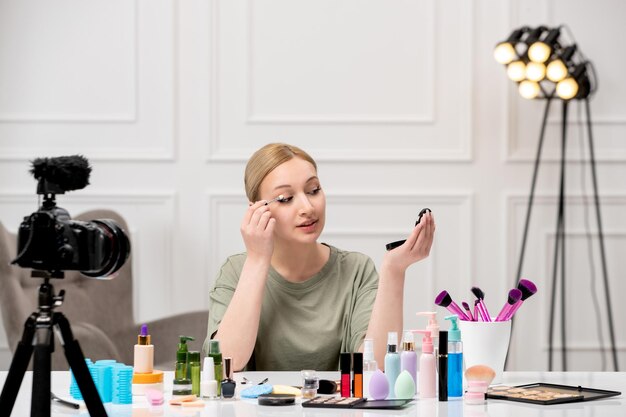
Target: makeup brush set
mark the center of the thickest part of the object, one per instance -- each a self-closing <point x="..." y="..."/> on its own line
<point x="516" y="297"/>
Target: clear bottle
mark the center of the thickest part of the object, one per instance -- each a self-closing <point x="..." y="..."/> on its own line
<point x="392" y="362"/>
<point x="216" y="354"/>
<point x="428" y="371"/>
<point x="369" y="365"/>
<point x="310" y="384"/>
<point x="455" y="358"/>
<point x="194" y="370"/>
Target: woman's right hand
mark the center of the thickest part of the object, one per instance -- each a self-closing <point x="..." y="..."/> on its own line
<point x="257" y="230"/>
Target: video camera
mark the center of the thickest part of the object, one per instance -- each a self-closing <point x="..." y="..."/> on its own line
<point x="49" y="240"/>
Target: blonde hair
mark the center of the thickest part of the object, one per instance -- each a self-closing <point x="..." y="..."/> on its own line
<point x="265" y="160"/>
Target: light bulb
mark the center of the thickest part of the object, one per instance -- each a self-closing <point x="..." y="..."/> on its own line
<point x="535" y="71"/>
<point x="516" y="70"/>
<point x="539" y="52"/>
<point x="528" y="89"/>
<point x="567" y="89"/>
<point x="556" y="70"/>
<point x="504" y="53"/>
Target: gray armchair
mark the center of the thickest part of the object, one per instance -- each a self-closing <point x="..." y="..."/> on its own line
<point x="100" y="312"/>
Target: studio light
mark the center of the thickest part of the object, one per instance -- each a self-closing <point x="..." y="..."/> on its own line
<point x="545" y="66"/>
<point x="557" y="68"/>
<point x="504" y="52"/>
<point x="541" y="51"/>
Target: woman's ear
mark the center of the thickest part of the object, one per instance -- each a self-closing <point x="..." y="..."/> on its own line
<point x="250" y="203"/>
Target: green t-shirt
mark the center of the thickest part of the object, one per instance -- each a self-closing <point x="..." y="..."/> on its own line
<point x="305" y="325"/>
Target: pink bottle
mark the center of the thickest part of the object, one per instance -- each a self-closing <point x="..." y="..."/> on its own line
<point x="428" y="373"/>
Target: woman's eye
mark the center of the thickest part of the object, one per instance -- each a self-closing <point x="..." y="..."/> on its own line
<point x="315" y="190"/>
<point x="285" y="199"/>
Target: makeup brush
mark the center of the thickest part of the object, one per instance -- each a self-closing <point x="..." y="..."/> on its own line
<point x="279" y="198"/>
<point x="445" y="300"/>
<point x="528" y="289"/>
<point x="514" y="296"/>
<point x="482" y="308"/>
<point x="467" y="309"/>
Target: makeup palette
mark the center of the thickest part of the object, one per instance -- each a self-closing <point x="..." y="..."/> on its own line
<point x="546" y="394"/>
<point x="354" y="402"/>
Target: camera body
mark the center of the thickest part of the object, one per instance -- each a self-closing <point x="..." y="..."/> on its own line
<point x="49" y="240"/>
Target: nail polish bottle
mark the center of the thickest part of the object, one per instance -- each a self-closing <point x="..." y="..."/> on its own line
<point x="228" y="384"/>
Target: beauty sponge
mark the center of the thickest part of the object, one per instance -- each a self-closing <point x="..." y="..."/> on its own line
<point x="379" y="386"/>
<point x="405" y="386"/>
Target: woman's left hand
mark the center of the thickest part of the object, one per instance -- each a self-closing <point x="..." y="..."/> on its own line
<point x="416" y="247"/>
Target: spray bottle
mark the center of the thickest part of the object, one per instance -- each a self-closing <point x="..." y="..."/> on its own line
<point x="408" y="357"/>
<point x="369" y="365"/>
<point x="428" y="371"/>
<point x="455" y="358"/>
<point x="392" y="362"/>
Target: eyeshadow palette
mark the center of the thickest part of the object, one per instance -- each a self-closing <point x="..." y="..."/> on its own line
<point x="352" y="402"/>
<point x="333" y="402"/>
<point x="545" y="394"/>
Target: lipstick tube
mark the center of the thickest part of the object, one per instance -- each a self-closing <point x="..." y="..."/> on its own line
<point x="357" y="382"/>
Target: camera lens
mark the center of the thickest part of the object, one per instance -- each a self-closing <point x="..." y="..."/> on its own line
<point x="116" y="249"/>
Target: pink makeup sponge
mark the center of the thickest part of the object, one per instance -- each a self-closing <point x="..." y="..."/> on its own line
<point x="379" y="386"/>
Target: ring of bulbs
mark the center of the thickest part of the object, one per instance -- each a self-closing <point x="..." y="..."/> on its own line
<point x="542" y="65"/>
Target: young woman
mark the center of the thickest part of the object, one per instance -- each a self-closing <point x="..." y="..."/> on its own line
<point x="290" y="302"/>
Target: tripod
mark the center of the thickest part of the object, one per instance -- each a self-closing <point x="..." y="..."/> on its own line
<point x="38" y="336"/>
<point x="559" y="246"/>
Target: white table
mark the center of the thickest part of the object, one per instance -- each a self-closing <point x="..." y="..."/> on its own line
<point x="614" y="406"/>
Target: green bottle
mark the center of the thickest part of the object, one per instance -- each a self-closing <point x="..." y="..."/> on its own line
<point x="181" y="370"/>
<point x="216" y="354"/>
<point x="194" y="370"/>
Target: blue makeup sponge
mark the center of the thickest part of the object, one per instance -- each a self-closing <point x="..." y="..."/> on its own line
<point x="256" y="390"/>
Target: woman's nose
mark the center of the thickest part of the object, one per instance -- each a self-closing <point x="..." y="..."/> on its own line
<point x="305" y="205"/>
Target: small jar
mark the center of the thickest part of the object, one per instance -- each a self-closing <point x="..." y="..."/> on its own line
<point x="310" y="384"/>
<point x="182" y="387"/>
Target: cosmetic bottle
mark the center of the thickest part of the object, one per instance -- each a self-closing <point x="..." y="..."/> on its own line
<point x="181" y="366"/>
<point x="310" y="384"/>
<point x="228" y="384"/>
<point x="216" y="354"/>
<point x="433" y="326"/>
<point x="408" y="357"/>
<point x="143" y="360"/>
<point x="455" y="358"/>
<point x="345" y="363"/>
<point x="208" y="386"/>
<point x="392" y="362"/>
<point x="357" y="377"/>
<point x="194" y="371"/>
<point x="443" y="365"/>
<point x="428" y="372"/>
<point x="369" y="365"/>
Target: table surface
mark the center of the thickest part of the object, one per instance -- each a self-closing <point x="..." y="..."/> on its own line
<point x="614" y="406"/>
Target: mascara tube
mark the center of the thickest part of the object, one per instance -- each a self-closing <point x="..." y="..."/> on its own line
<point x="443" y="365"/>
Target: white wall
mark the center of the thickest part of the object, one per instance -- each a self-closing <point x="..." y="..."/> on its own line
<point x="400" y="102"/>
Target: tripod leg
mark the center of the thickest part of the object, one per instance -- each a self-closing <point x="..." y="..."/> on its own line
<point x="44" y="346"/>
<point x="19" y="364"/>
<point x="76" y="360"/>
<point x="607" y="292"/>
<point x="562" y="202"/>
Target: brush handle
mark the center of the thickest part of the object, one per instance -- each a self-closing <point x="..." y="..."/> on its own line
<point x="455" y="309"/>
<point x="468" y="312"/>
<point x="482" y="309"/>
<point x="513" y="309"/>
<point x="504" y="312"/>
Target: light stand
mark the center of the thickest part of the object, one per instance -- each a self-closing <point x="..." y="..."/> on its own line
<point x="545" y="68"/>
<point x="559" y="247"/>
